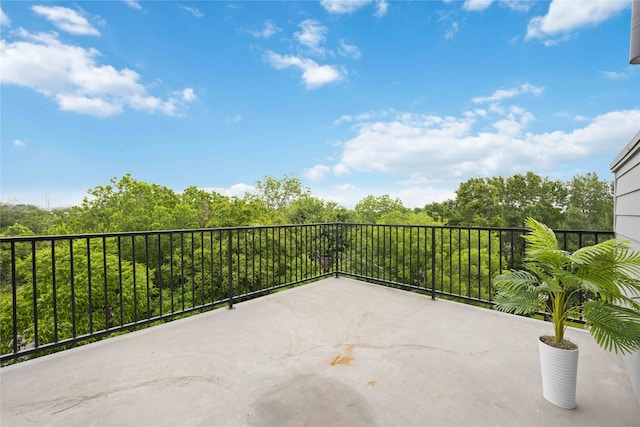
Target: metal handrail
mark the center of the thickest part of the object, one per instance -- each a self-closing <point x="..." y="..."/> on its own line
<point x="60" y="291"/>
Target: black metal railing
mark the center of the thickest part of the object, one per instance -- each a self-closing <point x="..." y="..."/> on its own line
<point x="457" y="262"/>
<point x="58" y="291"/>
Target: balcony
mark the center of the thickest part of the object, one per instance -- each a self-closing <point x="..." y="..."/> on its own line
<point x="334" y="352"/>
<point x="337" y="351"/>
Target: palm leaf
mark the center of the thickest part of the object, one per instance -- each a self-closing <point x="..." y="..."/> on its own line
<point x="613" y="327"/>
<point x="515" y="280"/>
<point x="519" y="302"/>
<point x="541" y="236"/>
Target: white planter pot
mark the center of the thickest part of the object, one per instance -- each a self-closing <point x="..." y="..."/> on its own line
<point x="559" y="373"/>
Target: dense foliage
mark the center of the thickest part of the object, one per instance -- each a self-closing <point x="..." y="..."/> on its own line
<point x="125" y="204"/>
<point x="584" y="203"/>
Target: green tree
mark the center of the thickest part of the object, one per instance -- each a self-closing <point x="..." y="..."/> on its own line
<point x="479" y="203"/>
<point x="311" y="210"/>
<point x="234" y="212"/>
<point x="196" y="206"/>
<point x="128" y="205"/>
<point x="278" y="194"/>
<point x="116" y="295"/>
<point x="35" y="219"/>
<point x="370" y="209"/>
<point x="442" y="212"/>
<point x="531" y="195"/>
<point x="590" y="203"/>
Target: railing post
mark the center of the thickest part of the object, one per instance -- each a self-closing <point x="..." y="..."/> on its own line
<point x="335" y="249"/>
<point x="433" y="263"/>
<point x="14" y="299"/>
<point x="230" y="266"/>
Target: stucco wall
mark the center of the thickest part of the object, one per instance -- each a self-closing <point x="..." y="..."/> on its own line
<point x="626" y="168"/>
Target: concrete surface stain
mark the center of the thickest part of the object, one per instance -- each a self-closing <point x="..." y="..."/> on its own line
<point x="311" y="400"/>
<point x="344" y="359"/>
<point x="372" y="383"/>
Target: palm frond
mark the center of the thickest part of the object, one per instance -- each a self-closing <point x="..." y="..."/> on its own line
<point x="540" y="236"/>
<point x="519" y="302"/>
<point x="515" y="280"/>
<point x="613" y="327"/>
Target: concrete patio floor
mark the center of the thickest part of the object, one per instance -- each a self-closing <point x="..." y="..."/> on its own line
<point x="337" y="352"/>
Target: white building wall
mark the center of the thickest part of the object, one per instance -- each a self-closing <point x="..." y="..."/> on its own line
<point x="626" y="168"/>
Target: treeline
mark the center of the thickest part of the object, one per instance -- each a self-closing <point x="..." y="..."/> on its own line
<point x="126" y="204"/>
<point x="584" y="203"/>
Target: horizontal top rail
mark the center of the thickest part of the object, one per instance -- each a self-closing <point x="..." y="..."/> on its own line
<point x="47" y="237"/>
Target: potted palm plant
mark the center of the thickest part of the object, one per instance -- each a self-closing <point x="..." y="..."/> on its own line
<point x="608" y="271"/>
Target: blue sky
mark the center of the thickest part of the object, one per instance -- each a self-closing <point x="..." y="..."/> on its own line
<point x="354" y="98"/>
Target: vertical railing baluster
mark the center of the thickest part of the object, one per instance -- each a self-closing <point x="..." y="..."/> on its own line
<point x="230" y="267"/>
<point x="120" y="281"/>
<point x="160" y="287"/>
<point x="212" y="268"/>
<point x="14" y="298"/>
<point x="34" y="285"/>
<point x="489" y="284"/>
<point x="105" y="288"/>
<point x="135" y="281"/>
<point x="202" y="268"/>
<point x="182" y="270"/>
<point x="433" y="263"/>
<point x="55" y="291"/>
<point x="253" y="259"/>
<point x="146" y="262"/>
<point x="72" y="286"/>
<point x="171" y="270"/>
<point x="192" y="273"/>
<point x="450" y="261"/>
<point x="241" y="291"/>
<point x="479" y="263"/>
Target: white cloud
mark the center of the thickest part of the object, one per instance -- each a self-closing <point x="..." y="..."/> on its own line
<point x="615" y="75"/>
<point x="317" y="172"/>
<point x="19" y="143"/>
<point x="480" y="5"/>
<point x="193" y="10"/>
<point x="71" y="76"/>
<point x="452" y="31"/>
<point x="313" y="74"/>
<point x="501" y="94"/>
<point x="236" y="190"/>
<point x="381" y="8"/>
<point x="4" y="19"/>
<point x="343" y="6"/>
<point x="346" y="118"/>
<point x="312" y="35"/>
<point x="566" y="16"/>
<point x="426" y="147"/>
<point x="350" y="50"/>
<point x="420" y="195"/>
<point x="517" y="5"/>
<point x="476" y="5"/>
<point x="97" y="107"/>
<point x="66" y="19"/>
<point x="341" y="169"/>
<point x="269" y="30"/>
<point x="188" y="95"/>
<point x="133" y="4"/>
